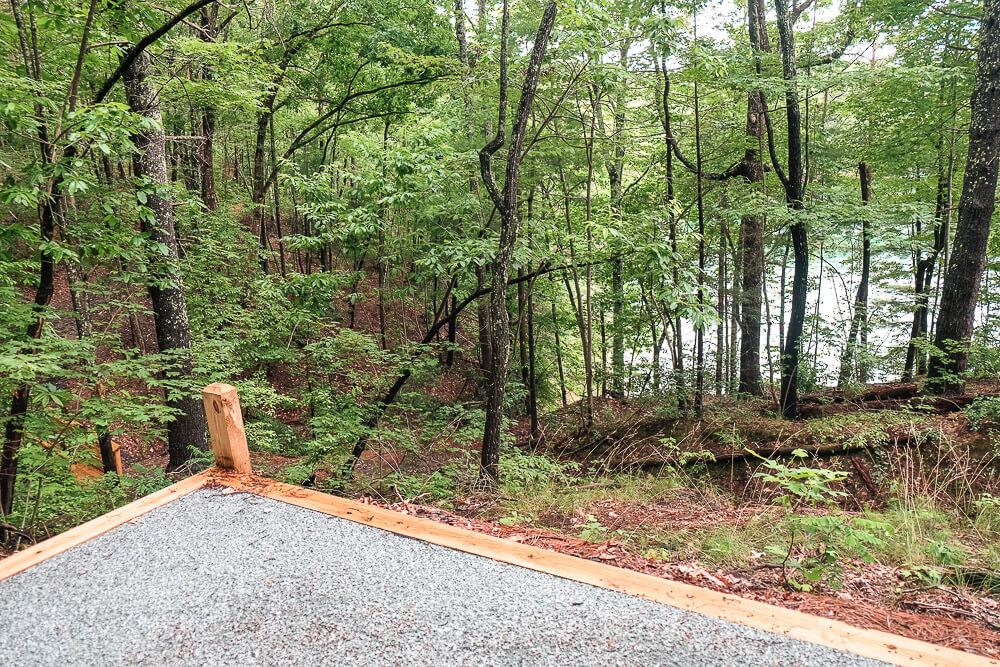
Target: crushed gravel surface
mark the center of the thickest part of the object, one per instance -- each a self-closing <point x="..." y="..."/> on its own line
<point x="223" y="578"/>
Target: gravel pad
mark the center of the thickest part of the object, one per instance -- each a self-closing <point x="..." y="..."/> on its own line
<point x="223" y="578"/>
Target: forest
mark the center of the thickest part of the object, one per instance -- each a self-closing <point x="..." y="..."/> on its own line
<point x="704" y="288"/>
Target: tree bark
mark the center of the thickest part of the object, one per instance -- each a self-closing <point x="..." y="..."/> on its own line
<point x="48" y="214"/>
<point x="923" y="279"/>
<point x="752" y="226"/>
<point x="674" y="318"/>
<point x="166" y="290"/>
<point x="699" y="382"/>
<point x="506" y="202"/>
<point x="859" y="321"/>
<point x="794" y="184"/>
<point x="616" y="168"/>
<point x="961" y="284"/>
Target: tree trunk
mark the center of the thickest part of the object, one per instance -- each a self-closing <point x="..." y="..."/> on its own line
<point x="483" y="322"/>
<point x="166" y="291"/>
<point x="14" y="428"/>
<point x="48" y="215"/>
<point x="209" y="16"/>
<point x="752" y="226"/>
<point x="673" y="318"/>
<point x="559" y="361"/>
<point x="720" y="305"/>
<point x="794" y="184"/>
<point x="506" y="202"/>
<point x="276" y="204"/>
<point x="965" y="270"/>
<point x="859" y="322"/>
<point x="923" y="279"/>
<point x="535" y="433"/>
<point x="259" y="187"/>
<point x="699" y="386"/>
<point x="616" y="168"/>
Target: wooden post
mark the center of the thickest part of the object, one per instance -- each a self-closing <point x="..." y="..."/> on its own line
<point x="225" y="426"/>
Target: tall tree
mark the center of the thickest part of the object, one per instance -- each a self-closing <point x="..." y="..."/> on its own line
<point x="58" y="156"/>
<point x="49" y="209"/>
<point x="959" y="294"/>
<point x="925" y="265"/>
<point x="858" y="334"/>
<point x="208" y="31"/>
<point x="505" y="199"/>
<point x="186" y="432"/>
<point x="752" y="224"/>
<point x="794" y="183"/>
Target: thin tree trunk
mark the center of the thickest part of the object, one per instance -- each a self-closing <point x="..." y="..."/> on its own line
<point x="209" y="16"/>
<point x="48" y="215"/>
<point x="794" y="183"/>
<point x="535" y="432"/>
<point x="559" y="360"/>
<point x="276" y="204"/>
<point x="615" y="169"/>
<point x="916" y="355"/>
<point x="720" y="306"/>
<point x="506" y="202"/>
<point x="859" y="322"/>
<point x="676" y="323"/>
<point x="699" y="389"/>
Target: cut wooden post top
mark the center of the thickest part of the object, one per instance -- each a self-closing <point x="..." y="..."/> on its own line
<point x="225" y="426"/>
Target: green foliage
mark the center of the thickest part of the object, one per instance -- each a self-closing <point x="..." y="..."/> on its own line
<point x="521" y="472"/>
<point x="984" y="413"/>
<point x="352" y="132"/>
<point x="987" y="516"/>
<point x="593" y="530"/>
<point x="803" y="486"/>
<point x="434" y="487"/>
<point x="818" y="543"/>
<point x="55" y="499"/>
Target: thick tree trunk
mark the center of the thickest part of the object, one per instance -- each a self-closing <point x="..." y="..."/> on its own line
<point x="752" y="226"/>
<point x="965" y="270"/>
<point x="166" y="291"/>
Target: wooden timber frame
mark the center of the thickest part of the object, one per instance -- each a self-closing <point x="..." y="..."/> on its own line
<point x="233" y="470"/>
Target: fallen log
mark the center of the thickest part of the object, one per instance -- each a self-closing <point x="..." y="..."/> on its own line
<point x="875" y="392"/>
<point x="939" y="405"/>
<point x="783" y="449"/>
